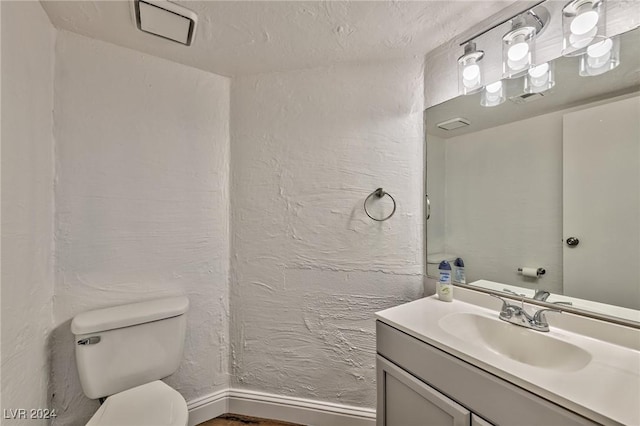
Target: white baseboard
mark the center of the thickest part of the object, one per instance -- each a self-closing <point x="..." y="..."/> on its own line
<point x="278" y="407"/>
<point x="208" y="407"/>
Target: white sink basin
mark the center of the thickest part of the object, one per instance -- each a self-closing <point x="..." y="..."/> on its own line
<point x="520" y="344"/>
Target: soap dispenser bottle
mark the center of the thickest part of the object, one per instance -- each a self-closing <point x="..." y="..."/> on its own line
<point x="444" y="287"/>
<point x="459" y="275"/>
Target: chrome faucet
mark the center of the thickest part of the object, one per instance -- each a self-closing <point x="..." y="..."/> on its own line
<point x="506" y="290"/>
<point x="517" y="315"/>
<point x="541" y="295"/>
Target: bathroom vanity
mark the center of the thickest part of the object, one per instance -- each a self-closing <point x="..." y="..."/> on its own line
<point x="457" y="363"/>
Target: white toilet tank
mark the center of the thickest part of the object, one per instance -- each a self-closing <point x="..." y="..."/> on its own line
<point x="125" y="346"/>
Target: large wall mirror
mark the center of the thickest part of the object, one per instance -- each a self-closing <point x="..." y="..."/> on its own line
<point x="547" y="180"/>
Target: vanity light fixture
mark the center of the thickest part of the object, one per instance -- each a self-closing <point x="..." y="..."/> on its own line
<point x="540" y="78"/>
<point x="518" y="45"/>
<point x="470" y="73"/>
<point x="583" y="24"/>
<point x="583" y="28"/>
<point x="600" y="57"/>
<point x="517" y="51"/>
<point x="493" y="94"/>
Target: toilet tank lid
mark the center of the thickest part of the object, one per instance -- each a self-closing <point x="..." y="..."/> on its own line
<point x="128" y="315"/>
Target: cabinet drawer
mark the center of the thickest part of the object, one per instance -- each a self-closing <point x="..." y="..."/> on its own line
<point x="492" y="398"/>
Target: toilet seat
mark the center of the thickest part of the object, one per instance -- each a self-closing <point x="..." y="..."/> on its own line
<point x="151" y="404"/>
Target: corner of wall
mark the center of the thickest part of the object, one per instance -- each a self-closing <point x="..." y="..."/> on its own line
<point x="52" y="247"/>
<point x="28" y="282"/>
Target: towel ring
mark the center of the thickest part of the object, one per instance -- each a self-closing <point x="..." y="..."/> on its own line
<point x="379" y="193"/>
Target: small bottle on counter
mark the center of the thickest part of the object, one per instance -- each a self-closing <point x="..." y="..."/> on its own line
<point x="444" y="287"/>
<point x="459" y="276"/>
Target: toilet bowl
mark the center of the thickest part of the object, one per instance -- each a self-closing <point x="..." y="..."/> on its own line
<point x="151" y="404"/>
<point x="122" y="352"/>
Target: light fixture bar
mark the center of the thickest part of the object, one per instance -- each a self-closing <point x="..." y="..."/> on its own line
<point x="475" y="36"/>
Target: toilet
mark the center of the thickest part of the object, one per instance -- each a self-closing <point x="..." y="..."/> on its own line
<point x="122" y="352"/>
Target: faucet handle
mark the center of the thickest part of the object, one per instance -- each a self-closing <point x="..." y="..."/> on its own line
<point x="540" y="319"/>
<point x="541" y="295"/>
<point x="505" y="304"/>
<point x="506" y="290"/>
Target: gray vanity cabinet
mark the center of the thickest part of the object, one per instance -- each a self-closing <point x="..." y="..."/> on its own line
<point x="405" y="400"/>
<point x="420" y="385"/>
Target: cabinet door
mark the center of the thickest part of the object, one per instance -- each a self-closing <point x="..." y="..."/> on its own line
<point x="479" y="421"/>
<point x="404" y="400"/>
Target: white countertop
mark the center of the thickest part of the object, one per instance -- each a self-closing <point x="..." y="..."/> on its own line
<point x="606" y="390"/>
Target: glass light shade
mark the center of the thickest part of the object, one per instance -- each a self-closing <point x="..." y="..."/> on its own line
<point x="583" y="24"/>
<point x="540" y="78"/>
<point x="493" y="94"/>
<point x="600" y="57"/>
<point x="470" y="72"/>
<point x="518" y="48"/>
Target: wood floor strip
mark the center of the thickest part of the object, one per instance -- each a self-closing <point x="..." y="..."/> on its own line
<point x="238" y="420"/>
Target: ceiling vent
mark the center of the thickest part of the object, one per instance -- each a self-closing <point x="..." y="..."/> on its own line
<point x="165" y="19"/>
<point x="524" y="98"/>
<point x="454" y="123"/>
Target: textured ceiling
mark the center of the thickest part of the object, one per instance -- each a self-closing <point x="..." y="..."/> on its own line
<point x="249" y="37"/>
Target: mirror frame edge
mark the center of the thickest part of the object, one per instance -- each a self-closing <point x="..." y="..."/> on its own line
<point x="569" y="309"/>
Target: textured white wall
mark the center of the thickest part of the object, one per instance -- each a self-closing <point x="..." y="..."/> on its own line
<point x="142" y="151"/>
<point x="309" y="268"/>
<point x="27" y="205"/>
